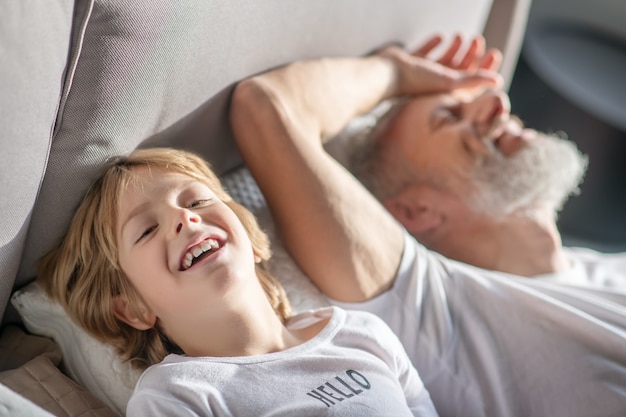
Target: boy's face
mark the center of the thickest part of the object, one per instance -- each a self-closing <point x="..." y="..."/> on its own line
<point x="184" y="251"/>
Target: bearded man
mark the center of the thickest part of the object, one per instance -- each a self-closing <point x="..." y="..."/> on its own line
<point x="466" y="179"/>
<point x="485" y="343"/>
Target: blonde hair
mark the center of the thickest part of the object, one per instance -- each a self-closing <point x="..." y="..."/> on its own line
<point x="83" y="272"/>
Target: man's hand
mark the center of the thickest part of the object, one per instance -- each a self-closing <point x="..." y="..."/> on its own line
<point x="416" y="74"/>
<point x="342" y="238"/>
<point x="476" y="56"/>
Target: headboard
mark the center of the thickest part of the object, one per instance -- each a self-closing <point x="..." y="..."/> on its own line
<point x="83" y="80"/>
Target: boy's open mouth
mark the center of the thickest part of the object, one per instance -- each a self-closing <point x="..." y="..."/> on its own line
<point x="197" y="252"/>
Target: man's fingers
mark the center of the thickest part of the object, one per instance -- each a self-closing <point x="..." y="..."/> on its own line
<point x="491" y="60"/>
<point x="428" y="47"/>
<point x="448" y="57"/>
<point x="480" y="78"/>
<point x="475" y="50"/>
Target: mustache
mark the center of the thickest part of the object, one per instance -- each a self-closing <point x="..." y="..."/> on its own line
<point x="498" y="128"/>
<point x="545" y="173"/>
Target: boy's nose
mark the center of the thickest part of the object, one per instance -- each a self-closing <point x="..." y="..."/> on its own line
<point x="186" y="217"/>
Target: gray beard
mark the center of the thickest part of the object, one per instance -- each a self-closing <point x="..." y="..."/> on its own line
<point x="542" y="175"/>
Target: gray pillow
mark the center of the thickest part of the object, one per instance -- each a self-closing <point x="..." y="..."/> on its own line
<point x="33" y="49"/>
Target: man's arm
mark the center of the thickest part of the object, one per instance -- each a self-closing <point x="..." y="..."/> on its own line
<point x="341" y="237"/>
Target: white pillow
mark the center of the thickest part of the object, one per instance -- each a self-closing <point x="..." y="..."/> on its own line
<point x="95" y="365"/>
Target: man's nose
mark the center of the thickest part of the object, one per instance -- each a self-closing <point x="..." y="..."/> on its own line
<point x="487" y="109"/>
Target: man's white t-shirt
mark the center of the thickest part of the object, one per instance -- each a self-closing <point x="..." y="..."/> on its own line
<point x="354" y="367"/>
<point x="492" y="344"/>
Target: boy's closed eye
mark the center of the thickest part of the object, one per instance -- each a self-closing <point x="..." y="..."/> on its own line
<point x="146" y="233"/>
<point x="198" y="203"/>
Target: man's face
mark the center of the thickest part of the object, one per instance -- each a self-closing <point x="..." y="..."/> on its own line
<point x="472" y="147"/>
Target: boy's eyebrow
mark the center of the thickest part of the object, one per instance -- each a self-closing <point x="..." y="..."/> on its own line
<point x="134" y="213"/>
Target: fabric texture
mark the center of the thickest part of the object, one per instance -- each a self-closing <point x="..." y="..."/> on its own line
<point x="33" y="45"/>
<point x="92" y="364"/>
<point x="30" y="370"/>
<point x="354" y="366"/>
<point x="41" y="382"/>
<point x="490" y="344"/>
<point x="154" y="73"/>
<point x="17" y="347"/>
<point x="14" y="405"/>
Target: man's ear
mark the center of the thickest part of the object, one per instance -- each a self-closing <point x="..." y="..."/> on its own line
<point x="416" y="208"/>
<point x="122" y="310"/>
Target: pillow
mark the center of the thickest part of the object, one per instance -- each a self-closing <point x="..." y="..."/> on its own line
<point x="29" y="368"/>
<point x="17" y="348"/>
<point x="95" y="365"/>
<point x="89" y="362"/>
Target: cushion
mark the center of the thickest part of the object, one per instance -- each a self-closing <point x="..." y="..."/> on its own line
<point x="33" y="48"/>
<point x="29" y="368"/>
<point x="87" y="361"/>
<point x="14" y="405"/>
<point x="41" y="382"/>
<point x="17" y="348"/>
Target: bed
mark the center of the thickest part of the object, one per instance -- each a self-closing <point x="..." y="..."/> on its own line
<point x="87" y="79"/>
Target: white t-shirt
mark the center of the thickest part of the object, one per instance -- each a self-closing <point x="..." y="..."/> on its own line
<point x="492" y="344"/>
<point x="354" y="367"/>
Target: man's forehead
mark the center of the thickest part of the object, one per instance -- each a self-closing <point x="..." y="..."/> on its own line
<point x="421" y="108"/>
<point x="430" y="101"/>
<point x="461" y="94"/>
<point x="446" y="99"/>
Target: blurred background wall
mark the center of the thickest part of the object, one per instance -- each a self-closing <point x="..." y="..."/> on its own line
<point x="571" y="77"/>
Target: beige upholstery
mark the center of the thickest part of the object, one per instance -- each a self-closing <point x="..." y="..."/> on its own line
<point x="29" y="366"/>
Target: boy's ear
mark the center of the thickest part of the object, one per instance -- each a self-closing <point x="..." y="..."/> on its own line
<point x="416" y="208"/>
<point x="122" y="310"/>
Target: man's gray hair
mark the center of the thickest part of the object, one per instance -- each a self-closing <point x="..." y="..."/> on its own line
<point x="378" y="166"/>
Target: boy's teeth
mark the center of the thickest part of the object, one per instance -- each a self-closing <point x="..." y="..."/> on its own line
<point x="206" y="246"/>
